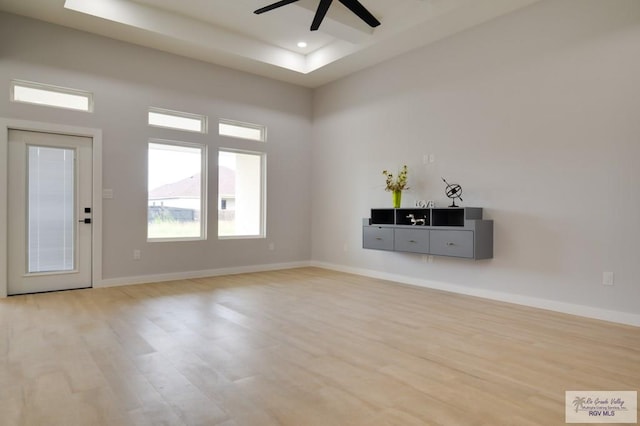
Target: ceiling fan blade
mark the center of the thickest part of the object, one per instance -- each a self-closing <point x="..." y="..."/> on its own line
<point x="273" y="6"/>
<point x="320" y="13"/>
<point x="356" y="7"/>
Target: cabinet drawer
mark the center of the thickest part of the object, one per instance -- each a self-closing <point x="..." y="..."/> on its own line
<point x="413" y="240"/>
<point x="451" y="243"/>
<point x="375" y="237"/>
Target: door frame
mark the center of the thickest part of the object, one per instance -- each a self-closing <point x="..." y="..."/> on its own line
<point x="96" y="236"/>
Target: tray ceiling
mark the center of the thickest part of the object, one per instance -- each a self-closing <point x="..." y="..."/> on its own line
<point x="228" y="33"/>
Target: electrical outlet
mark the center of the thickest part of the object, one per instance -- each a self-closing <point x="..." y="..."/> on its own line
<point x="137" y="255"/>
<point x="607" y="278"/>
<point x="425" y="258"/>
<point x="430" y="259"/>
<point x="272" y="246"/>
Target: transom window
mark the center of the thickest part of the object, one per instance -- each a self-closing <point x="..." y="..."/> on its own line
<point x="177" y="120"/>
<point x="238" y="129"/>
<point x="53" y="96"/>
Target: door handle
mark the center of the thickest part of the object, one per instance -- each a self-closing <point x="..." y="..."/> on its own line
<point x="85" y="220"/>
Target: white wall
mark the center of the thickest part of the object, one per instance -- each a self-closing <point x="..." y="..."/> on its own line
<point x="126" y="80"/>
<point x="536" y="115"/>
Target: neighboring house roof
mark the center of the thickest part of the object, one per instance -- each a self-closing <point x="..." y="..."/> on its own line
<point x="190" y="187"/>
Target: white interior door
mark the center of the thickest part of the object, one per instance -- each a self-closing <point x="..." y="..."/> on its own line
<point x="49" y="212"/>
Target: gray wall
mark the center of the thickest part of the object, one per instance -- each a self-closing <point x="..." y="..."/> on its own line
<point x="536" y="115"/>
<point x="126" y="80"/>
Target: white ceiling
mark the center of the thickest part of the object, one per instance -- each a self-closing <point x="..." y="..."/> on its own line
<point x="228" y="33"/>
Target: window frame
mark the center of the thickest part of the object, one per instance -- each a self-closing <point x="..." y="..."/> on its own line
<point x="263" y="194"/>
<point x="53" y="89"/>
<point x="203" y="189"/>
<point x="181" y="114"/>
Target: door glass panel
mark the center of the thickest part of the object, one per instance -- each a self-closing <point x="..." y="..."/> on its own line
<point x="51" y="209"/>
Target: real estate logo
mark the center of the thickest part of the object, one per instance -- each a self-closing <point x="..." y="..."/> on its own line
<point x="601" y="406"/>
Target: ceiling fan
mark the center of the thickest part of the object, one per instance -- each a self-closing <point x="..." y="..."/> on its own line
<point x="354" y="5"/>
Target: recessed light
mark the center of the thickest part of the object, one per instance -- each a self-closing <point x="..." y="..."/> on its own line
<point x="302" y="44"/>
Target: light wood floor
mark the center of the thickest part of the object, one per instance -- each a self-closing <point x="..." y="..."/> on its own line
<point x="301" y="347"/>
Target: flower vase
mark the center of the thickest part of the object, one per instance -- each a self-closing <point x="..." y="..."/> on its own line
<point x="397" y="199"/>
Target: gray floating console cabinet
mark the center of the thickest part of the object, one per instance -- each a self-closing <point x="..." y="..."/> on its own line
<point x="447" y="231"/>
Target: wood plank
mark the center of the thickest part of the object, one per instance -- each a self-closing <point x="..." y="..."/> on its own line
<point x="304" y="346"/>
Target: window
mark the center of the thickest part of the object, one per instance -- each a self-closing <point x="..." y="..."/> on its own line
<point x="236" y="129"/>
<point x="241" y="185"/>
<point x="177" y="120"/>
<point x="53" y="96"/>
<point x="177" y="191"/>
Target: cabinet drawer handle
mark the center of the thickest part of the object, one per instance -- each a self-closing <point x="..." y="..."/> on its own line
<point x="412" y="241"/>
<point x="378" y="238"/>
<point x="450" y="244"/>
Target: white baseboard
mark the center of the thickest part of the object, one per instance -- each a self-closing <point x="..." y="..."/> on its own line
<point x="142" y="279"/>
<point x="551" y="305"/>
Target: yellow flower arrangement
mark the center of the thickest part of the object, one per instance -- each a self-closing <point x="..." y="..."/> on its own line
<point x="398" y="183"/>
